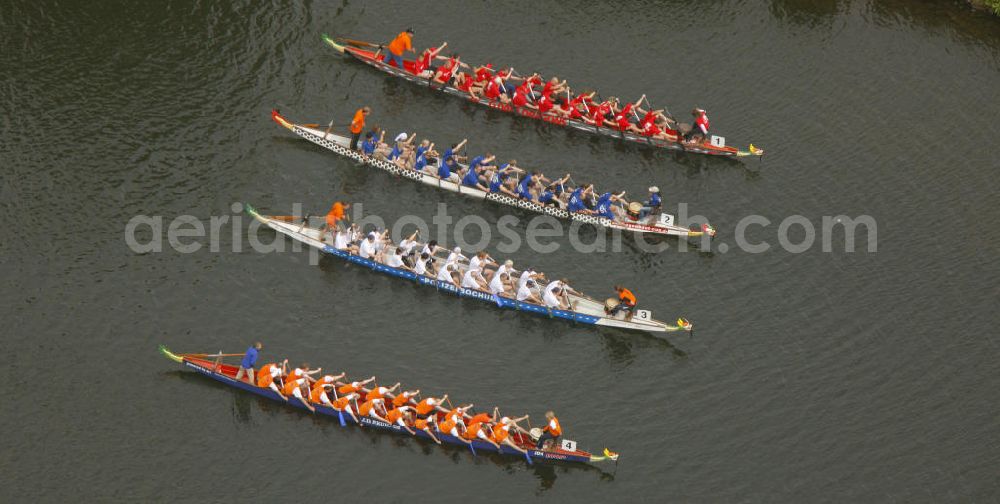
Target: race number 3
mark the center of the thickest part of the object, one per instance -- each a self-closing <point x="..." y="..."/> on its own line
<point x="718" y="141"/>
<point x="642" y="314"/>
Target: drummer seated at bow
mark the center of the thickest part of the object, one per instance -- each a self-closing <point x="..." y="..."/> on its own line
<point x="626" y="303"/>
<point x="699" y="132"/>
<point x="423" y="66"/>
<point x="653" y="205"/>
<point x="551" y="432"/>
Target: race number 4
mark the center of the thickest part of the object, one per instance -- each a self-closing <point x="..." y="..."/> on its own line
<point x="568" y="445"/>
<point x="718" y="141"/>
<point x="642" y="315"/>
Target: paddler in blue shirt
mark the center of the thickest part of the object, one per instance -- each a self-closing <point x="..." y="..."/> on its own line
<point x="453" y="151"/>
<point x="371" y="143"/>
<point x="471" y="179"/>
<point x="447" y="169"/>
<point x="482" y="161"/>
<point x="577" y="200"/>
<point x="550" y="195"/>
<point x="606" y="203"/>
<point x="500" y="177"/>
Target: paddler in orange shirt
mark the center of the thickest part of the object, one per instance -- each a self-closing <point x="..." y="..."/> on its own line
<point x="403" y="42"/>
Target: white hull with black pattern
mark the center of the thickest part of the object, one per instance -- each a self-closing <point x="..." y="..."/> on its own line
<point x="658" y="225"/>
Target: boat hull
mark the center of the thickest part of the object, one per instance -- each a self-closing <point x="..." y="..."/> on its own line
<point x="709" y="149"/>
<point x="205" y="367"/>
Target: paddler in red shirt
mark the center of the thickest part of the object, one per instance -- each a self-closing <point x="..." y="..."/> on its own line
<point x="522" y="93"/>
<point x="423" y="67"/>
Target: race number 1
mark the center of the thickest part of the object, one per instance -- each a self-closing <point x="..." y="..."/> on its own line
<point x="718" y="141"/>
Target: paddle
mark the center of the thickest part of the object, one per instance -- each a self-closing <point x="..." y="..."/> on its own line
<point x="359" y="43"/>
<point x="340" y="414"/>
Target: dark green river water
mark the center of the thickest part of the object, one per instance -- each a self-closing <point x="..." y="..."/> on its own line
<point x="812" y="377"/>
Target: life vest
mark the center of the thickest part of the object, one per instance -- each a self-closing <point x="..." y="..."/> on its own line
<point x="553" y="427"/>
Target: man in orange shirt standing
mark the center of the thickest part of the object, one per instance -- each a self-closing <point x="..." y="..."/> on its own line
<point x="358" y="125"/>
<point x="402" y="42"/>
<point x="334" y="216"/>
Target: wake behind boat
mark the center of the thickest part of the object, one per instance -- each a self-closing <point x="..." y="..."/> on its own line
<point x="522" y="292"/>
<point x="607" y="118"/>
<point x="636" y="219"/>
<point x="380" y="408"/>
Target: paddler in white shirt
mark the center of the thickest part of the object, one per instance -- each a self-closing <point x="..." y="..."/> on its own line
<point x="526" y="293"/>
<point x="557" y="294"/>
<point x="473" y="279"/>
<point x="445" y="274"/>
<point x="455" y="256"/>
<point x="499" y="284"/>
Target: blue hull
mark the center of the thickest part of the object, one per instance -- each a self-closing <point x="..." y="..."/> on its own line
<point x="372" y="423"/>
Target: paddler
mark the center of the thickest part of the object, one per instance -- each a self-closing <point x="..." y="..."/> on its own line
<point x="397" y="416"/>
<point x="303" y="372"/>
<point x="319" y="395"/>
<point x="403" y="42"/>
<point x="626" y="303"/>
<point x="426" y="407"/>
<point x="328" y="380"/>
<point x="557" y="294"/>
<point x="298" y="388"/>
<point x="371" y="408"/>
<point x="526" y="293"/>
<point x="269" y="373"/>
<point x="403" y="398"/>
<point x="478" y="429"/>
<point x="551" y="431"/>
<point x="380" y="392"/>
<point x="353" y="387"/>
<point x="358" y="125"/>
<point x="343" y="404"/>
<point x="501" y="432"/>
<point x="422" y="424"/>
<point x="248" y="362"/>
<point x="423" y="66"/>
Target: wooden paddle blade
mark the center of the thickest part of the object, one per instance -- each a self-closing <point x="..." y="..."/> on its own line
<point x="359" y="43"/>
